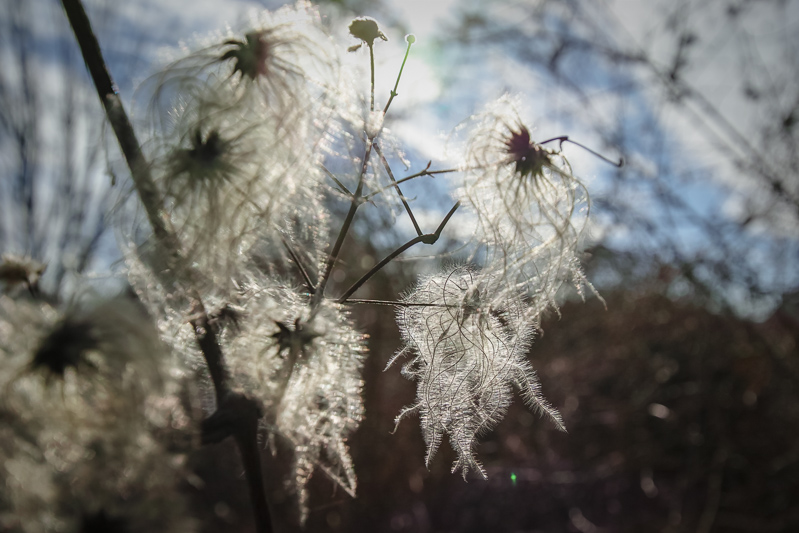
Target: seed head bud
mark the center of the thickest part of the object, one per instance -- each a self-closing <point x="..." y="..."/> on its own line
<point x="367" y="30"/>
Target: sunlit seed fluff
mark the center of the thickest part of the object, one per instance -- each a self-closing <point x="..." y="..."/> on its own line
<point x="523" y="193"/>
<point x="226" y="180"/>
<point x="469" y="338"/>
<point x="81" y="392"/>
<point x="278" y="65"/>
<point x="305" y="367"/>
<point x="531" y="210"/>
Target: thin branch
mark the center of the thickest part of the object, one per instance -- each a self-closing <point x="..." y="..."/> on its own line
<point x="361" y="301"/>
<point x="410" y="40"/>
<point x="425" y="172"/>
<point x="357" y="200"/>
<point x="300" y="267"/>
<point x="340" y="185"/>
<point x="399" y="191"/>
<point x="565" y="138"/>
<point x="429" y="238"/>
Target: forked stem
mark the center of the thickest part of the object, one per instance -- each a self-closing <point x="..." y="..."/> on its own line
<point x="399" y="191"/>
<point x="357" y="200"/>
<point x="430" y="238"/>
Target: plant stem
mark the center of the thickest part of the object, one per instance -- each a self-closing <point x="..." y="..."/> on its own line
<point x="361" y="301"/>
<point x="247" y="442"/>
<point x="429" y="238"/>
<point x="399" y="191"/>
<point x="411" y="177"/>
<point x="357" y="200"/>
<point x="372" y="68"/>
<point x="565" y="138"/>
<point x="396" y="85"/>
<point x="300" y="267"/>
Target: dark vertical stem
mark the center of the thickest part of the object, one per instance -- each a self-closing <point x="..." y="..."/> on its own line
<point x="247" y="441"/>
<point x="128" y="143"/>
<point x="345" y="228"/>
<point x="230" y="406"/>
<point x="212" y="352"/>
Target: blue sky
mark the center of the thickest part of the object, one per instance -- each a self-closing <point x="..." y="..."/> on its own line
<point x="444" y="82"/>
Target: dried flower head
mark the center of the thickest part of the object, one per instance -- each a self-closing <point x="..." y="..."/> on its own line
<point x="530" y="158"/>
<point x="531" y="210"/>
<point x="304" y="365"/>
<point x="367" y="30"/>
<point x="15" y="270"/>
<point x="469" y="337"/>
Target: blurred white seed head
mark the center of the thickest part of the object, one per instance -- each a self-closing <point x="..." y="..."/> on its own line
<point x="82" y="400"/>
<point x="282" y="63"/>
<point x="468" y="337"/>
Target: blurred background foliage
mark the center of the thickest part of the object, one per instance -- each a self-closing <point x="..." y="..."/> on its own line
<point x="680" y="395"/>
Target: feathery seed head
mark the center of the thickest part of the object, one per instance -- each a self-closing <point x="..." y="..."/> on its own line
<point x="307" y="377"/>
<point x="469" y="338"/>
<point x="531" y="210"/>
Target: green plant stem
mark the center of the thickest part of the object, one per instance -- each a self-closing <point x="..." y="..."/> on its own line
<point x="245" y="435"/>
<point x="429" y="238"/>
<point x="372" y="69"/>
<point x="396" y="85"/>
<point x="399" y="191"/>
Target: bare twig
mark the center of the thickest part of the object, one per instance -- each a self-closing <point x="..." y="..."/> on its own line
<point x="399" y="191"/>
<point x="357" y="200"/>
<point x="429" y="238"/>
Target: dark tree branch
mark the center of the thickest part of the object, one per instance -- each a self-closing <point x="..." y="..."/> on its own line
<point x="236" y="415"/>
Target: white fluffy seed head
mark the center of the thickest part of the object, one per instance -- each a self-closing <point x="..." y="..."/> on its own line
<point x="305" y="368"/>
<point x="469" y="339"/>
<point x="86" y="400"/>
<point x="531" y="210"/>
